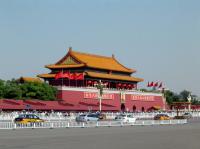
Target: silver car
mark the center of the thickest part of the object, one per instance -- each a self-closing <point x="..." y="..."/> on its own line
<point x="87" y="117"/>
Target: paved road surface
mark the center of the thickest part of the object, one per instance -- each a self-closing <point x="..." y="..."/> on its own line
<point x="136" y="137"/>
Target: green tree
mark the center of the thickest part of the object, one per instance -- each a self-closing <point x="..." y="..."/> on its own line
<point x="171" y="97"/>
<point x="2" y="87"/>
<point x="184" y="95"/>
<point x="12" y="90"/>
<point x="34" y="90"/>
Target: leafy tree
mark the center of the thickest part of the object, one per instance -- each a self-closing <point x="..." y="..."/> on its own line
<point x="35" y="90"/>
<point x="184" y="95"/>
<point x="171" y="97"/>
<point x="1" y="88"/>
<point x="12" y="90"/>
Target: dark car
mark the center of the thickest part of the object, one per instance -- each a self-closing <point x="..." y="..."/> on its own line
<point x="187" y="115"/>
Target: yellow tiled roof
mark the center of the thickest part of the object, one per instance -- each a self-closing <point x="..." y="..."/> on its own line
<point x="29" y="79"/>
<point x="46" y="75"/>
<point x="114" y="77"/>
<point x="96" y="61"/>
<point x="64" y="66"/>
<point x="102" y="76"/>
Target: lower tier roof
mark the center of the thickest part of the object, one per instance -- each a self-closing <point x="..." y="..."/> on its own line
<point x="100" y="76"/>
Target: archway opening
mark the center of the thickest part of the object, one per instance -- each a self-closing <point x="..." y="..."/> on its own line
<point x="143" y="110"/>
<point x="123" y="107"/>
<point x="134" y="108"/>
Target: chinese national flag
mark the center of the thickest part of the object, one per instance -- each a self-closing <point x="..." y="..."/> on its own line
<point x="66" y="75"/>
<point x="79" y="76"/>
<point x="156" y="84"/>
<point x="72" y="76"/>
<point x="59" y="75"/>
<point x="151" y="85"/>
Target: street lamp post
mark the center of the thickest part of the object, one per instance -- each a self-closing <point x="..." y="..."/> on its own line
<point x="100" y="87"/>
<point x="189" y="98"/>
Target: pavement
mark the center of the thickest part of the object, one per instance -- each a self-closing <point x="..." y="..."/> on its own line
<point x="131" y="137"/>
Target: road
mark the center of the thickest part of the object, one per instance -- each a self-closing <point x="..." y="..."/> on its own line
<point x="133" y="137"/>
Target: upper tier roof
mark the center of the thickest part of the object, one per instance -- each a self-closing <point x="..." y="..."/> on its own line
<point x="90" y="60"/>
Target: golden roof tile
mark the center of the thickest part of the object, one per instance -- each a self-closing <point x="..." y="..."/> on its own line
<point x="92" y="61"/>
<point x="54" y="66"/>
<point x="29" y="79"/>
<point x="101" y="76"/>
<point x="113" y="77"/>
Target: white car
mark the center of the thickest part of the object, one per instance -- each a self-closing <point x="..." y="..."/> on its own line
<point x="87" y="117"/>
<point x="125" y="118"/>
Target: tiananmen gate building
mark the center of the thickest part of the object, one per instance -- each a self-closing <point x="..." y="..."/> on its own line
<point x="76" y="75"/>
<point x="120" y="87"/>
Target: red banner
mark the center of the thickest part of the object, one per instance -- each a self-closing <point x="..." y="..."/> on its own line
<point x="142" y="98"/>
<point x="93" y="95"/>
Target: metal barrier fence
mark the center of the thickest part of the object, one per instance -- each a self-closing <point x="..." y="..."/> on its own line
<point x="64" y="124"/>
<point x="58" y="116"/>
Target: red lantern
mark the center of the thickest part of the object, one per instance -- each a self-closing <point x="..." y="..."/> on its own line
<point x="105" y="83"/>
<point x="129" y="86"/>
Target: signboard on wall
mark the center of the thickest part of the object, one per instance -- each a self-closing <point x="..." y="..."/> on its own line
<point x="142" y="98"/>
<point x="94" y="95"/>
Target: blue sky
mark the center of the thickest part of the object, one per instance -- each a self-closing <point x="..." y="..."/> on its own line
<point x="160" y="39"/>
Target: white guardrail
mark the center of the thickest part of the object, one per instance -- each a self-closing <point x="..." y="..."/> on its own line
<point x="64" y="124"/>
<point x="62" y="117"/>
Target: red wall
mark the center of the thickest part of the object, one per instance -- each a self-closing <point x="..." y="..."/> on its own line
<point x="77" y="97"/>
<point x="70" y="100"/>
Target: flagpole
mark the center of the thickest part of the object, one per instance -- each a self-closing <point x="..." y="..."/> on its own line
<point x="62" y="77"/>
<point x="69" y="77"/>
<point x="83" y="81"/>
<point x="75" y="78"/>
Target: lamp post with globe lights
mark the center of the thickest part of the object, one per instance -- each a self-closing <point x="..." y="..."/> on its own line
<point x="100" y="87"/>
<point x="189" y="98"/>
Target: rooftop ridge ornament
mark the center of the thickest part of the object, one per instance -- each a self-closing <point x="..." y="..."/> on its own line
<point x="113" y="56"/>
<point x="70" y="49"/>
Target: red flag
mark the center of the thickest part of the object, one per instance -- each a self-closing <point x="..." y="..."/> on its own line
<point x="151" y="85"/>
<point x="79" y="76"/>
<point x="72" y="76"/>
<point x="156" y="84"/>
<point x="160" y="86"/>
<point x="66" y="75"/>
<point x="59" y="75"/>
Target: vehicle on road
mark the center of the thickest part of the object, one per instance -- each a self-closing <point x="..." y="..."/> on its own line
<point x="87" y="117"/>
<point x="161" y="117"/>
<point x="187" y="115"/>
<point x="126" y="118"/>
<point x="101" y="116"/>
<point x="28" y="118"/>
